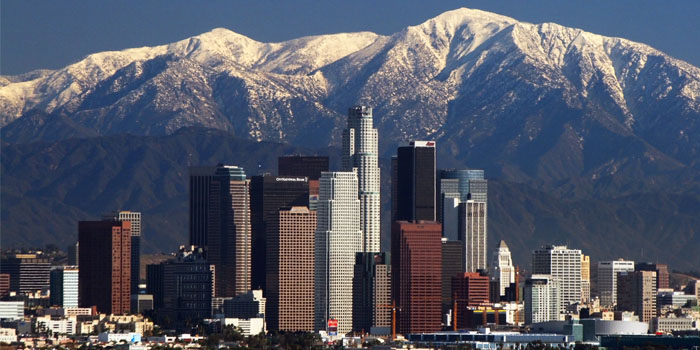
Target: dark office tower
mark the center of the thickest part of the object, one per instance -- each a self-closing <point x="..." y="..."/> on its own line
<point x="290" y="270"/>
<point x="268" y="194"/>
<point x="135" y="219"/>
<point x="636" y="291"/>
<point x="28" y="272"/>
<point x="105" y="265"/>
<point x="73" y="254"/>
<point x="416" y="273"/>
<point x="154" y="284"/>
<point x="184" y="287"/>
<point x="452" y="265"/>
<point x="416" y="181"/>
<point x="229" y="233"/>
<point x="372" y="293"/>
<point x="200" y="186"/>
<point x="298" y="165"/>
<point x="220" y="223"/>
<point x="394" y="187"/>
<point x="662" y="275"/>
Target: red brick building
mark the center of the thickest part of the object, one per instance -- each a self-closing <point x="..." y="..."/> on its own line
<point x="470" y="289"/>
<point x="416" y="265"/>
<point x="105" y="266"/>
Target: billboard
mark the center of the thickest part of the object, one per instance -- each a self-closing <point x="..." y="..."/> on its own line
<point x="332" y="327"/>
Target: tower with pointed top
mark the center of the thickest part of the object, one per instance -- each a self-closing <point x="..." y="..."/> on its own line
<point x="360" y="151"/>
<point x="502" y="267"/>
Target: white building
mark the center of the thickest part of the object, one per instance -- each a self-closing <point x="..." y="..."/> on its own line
<point x="542" y="299"/>
<point x="670" y="324"/>
<point x="64" y="325"/>
<point x="338" y="239"/>
<point x="360" y="151"/>
<point x="8" y="335"/>
<point x="11" y="310"/>
<point x="472" y="231"/>
<point x="249" y="326"/>
<point x="607" y="280"/>
<point x="564" y="265"/>
<point x="107" y="337"/>
<point x="64" y="286"/>
<point x="502" y="267"/>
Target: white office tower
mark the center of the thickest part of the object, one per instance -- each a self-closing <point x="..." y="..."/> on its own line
<point x="338" y="239"/>
<point x="360" y="151"/>
<point x="542" y="299"/>
<point x="564" y="265"/>
<point x="472" y="231"/>
<point x="607" y="280"/>
<point x="502" y="267"/>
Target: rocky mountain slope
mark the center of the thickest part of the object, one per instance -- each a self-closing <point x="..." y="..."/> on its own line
<point x="601" y="134"/>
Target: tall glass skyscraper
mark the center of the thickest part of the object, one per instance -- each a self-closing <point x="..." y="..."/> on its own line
<point x="360" y="151"/>
<point x="338" y="240"/>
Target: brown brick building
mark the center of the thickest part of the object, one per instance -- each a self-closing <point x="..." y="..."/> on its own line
<point x="290" y="270"/>
<point x="636" y="291"/>
<point x="416" y="271"/>
<point x="105" y="265"/>
<point x="470" y="289"/>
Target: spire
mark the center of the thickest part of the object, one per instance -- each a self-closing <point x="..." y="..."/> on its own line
<point x="503" y="245"/>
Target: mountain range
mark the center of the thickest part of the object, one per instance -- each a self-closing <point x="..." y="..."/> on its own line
<point x="602" y="131"/>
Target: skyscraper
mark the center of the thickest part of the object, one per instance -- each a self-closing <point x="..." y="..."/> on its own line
<point x="372" y="293"/>
<point x="28" y="272"/>
<point x="268" y="194"/>
<point x="182" y="287"/>
<point x="607" y="280"/>
<point x="472" y="232"/>
<point x="135" y="219"/>
<point x="302" y="166"/>
<point x="290" y="270"/>
<point x="636" y="291"/>
<point x="105" y="265"/>
<point x="502" y="268"/>
<point x="662" y="275"/>
<point x="452" y="265"/>
<point x="220" y="222"/>
<point x="585" y="279"/>
<point x="64" y="286"/>
<point x="564" y="265"/>
<point x="542" y="299"/>
<point x="415" y="182"/>
<point x="360" y="151"/>
<point x="338" y="239"/>
<point x="416" y="274"/>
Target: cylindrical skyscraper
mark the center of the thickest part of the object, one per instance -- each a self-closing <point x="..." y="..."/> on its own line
<point x="360" y="151"/>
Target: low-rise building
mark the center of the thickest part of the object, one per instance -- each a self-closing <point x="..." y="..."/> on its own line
<point x="108" y="337"/>
<point x="8" y="335"/>
<point x="670" y="324"/>
<point x="11" y="310"/>
<point x="250" y="326"/>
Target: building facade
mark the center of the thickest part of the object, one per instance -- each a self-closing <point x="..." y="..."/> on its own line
<point x="636" y="291"/>
<point x="220" y="223"/>
<point x="64" y="286"/>
<point x="372" y="293"/>
<point x="542" y="304"/>
<point x="105" y="258"/>
<point x="135" y="219"/>
<point x="502" y="269"/>
<point x="290" y="270"/>
<point x="452" y="265"/>
<point x="416" y="254"/>
<point x="338" y="239"/>
<point x="415" y="182"/>
<point x="472" y="232"/>
<point x="29" y="273"/>
<point x="269" y="194"/>
<point x="310" y="167"/>
<point x="662" y="275"/>
<point x="360" y="152"/>
<point x="563" y="265"/>
<point x="607" y="280"/>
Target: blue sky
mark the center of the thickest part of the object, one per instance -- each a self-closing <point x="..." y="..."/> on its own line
<point x="51" y="34"/>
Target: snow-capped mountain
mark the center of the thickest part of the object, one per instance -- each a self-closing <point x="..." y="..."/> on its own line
<point x="536" y="100"/>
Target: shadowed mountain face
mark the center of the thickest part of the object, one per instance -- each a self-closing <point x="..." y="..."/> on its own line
<point x="48" y="187"/>
<point x="583" y="126"/>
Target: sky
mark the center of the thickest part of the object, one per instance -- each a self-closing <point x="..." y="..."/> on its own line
<point x="51" y="34"/>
